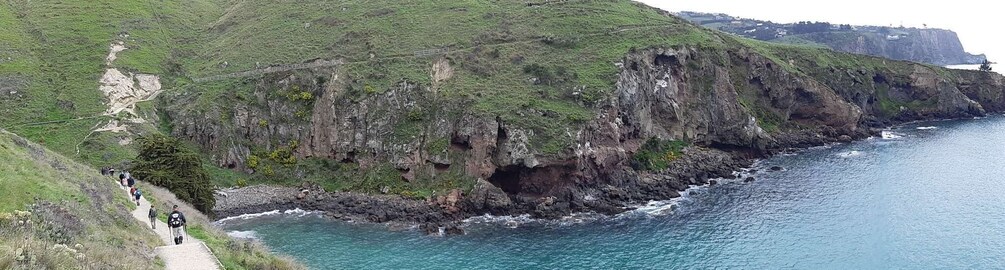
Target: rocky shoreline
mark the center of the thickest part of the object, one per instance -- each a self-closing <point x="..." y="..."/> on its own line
<point x="443" y="214"/>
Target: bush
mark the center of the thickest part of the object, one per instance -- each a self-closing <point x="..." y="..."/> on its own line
<point x="164" y="161"/>
<point x="549" y="76"/>
<point x="656" y="154"/>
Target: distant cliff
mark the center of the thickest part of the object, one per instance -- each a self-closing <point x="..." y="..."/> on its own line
<point x="933" y="46"/>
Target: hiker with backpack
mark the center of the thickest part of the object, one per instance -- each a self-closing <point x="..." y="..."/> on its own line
<point x="176" y="220"/>
<point x="152" y="214"/>
<point x="122" y="179"/>
<point x="130" y="181"/>
<point x="136" y="194"/>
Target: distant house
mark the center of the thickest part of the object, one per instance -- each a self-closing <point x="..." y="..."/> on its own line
<point x="892" y="37"/>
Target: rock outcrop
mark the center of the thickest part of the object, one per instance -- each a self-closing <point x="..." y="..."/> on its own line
<point x="729" y="104"/>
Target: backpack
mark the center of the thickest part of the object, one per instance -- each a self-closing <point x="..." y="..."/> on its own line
<point x="174" y="220"/>
<point x="138" y="193"/>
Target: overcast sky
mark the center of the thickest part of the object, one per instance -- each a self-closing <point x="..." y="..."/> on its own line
<point x="980" y="25"/>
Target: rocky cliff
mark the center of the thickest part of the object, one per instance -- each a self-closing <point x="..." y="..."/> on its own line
<point x="731" y="105"/>
<point x="924" y="45"/>
<point x="934" y="46"/>
<point x="555" y="125"/>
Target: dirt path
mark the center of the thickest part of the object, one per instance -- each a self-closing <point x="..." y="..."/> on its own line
<point x="192" y="255"/>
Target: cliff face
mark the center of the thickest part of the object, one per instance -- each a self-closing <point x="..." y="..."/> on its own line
<point x="933" y="46"/>
<point x="730" y="104"/>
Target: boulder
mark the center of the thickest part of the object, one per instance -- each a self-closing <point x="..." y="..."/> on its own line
<point x="487" y="197"/>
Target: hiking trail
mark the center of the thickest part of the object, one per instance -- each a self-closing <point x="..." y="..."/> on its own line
<point x="193" y="254"/>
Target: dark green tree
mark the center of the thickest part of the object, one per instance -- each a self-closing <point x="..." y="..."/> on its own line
<point x="166" y="162"/>
<point x="986" y="66"/>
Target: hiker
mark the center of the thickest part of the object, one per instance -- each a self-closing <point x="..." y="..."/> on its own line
<point x="152" y="214"/>
<point x="176" y="220"/>
<point x="132" y="191"/>
<point x="130" y="181"/>
<point x="122" y="179"/>
<point x="137" y="193"/>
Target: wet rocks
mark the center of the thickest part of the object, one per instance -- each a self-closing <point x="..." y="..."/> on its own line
<point x="748" y="179"/>
<point x="489" y="198"/>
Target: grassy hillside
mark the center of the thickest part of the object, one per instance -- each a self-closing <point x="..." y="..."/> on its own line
<point x="58" y="50"/>
<point x="56" y="213"/>
<point x="496" y="47"/>
<point x="540" y="66"/>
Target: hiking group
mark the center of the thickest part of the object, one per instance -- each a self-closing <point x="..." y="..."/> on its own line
<point x="176" y="220"/>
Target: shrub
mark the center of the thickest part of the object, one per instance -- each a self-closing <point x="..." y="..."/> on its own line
<point x="656" y="154"/>
<point x="549" y="76"/>
<point x="164" y="161"/>
<point x="253" y="161"/>
<point x="416" y="115"/>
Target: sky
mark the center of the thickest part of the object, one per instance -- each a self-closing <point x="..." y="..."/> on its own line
<point x="979" y="33"/>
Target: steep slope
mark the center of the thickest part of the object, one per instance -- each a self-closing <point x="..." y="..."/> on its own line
<point x="506" y="107"/>
<point x="925" y="45"/>
<point x="57" y="52"/>
<point x="56" y="213"/>
<point x="563" y="105"/>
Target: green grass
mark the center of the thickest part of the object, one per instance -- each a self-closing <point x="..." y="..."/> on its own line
<point x="656" y="154"/>
<point x="90" y="210"/>
<point x="60" y="48"/>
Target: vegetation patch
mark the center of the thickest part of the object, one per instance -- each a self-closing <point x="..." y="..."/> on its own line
<point x="166" y="162"/>
<point x="656" y="154"/>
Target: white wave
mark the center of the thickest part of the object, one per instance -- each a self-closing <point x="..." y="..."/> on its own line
<point x="249" y="216"/>
<point x="890" y="135"/>
<point x="657" y="208"/>
<point x="295" y="212"/>
<point x="926" y="128"/>
<point x="508" y="221"/>
<point x="849" y="154"/>
<point x="243" y="234"/>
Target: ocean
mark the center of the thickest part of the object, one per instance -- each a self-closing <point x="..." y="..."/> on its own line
<point x="922" y="196"/>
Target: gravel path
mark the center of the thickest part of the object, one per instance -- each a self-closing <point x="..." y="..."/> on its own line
<point x="192" y="255"/>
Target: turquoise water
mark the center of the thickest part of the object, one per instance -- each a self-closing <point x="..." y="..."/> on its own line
<point x="934" y="198"/>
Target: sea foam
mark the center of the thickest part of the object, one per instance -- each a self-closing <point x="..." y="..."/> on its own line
<point x="925" y="128"/>
<point x="890" y="135"/>
<point x="295" y="212"/>
<point x="243" y="234"/>
<point x="849" y="154"/>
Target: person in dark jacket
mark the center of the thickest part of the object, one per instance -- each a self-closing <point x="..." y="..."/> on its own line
<point x="130" y="181"/>
<point x="152" y="214"/>
<point x="176" y="220"/>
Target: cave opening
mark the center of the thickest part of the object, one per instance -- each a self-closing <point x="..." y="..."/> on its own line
<point x="350" y="157"/>
<point x="507" y="179"/>
<point x="879" y="79"/>
<point x="666" y="61"/>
